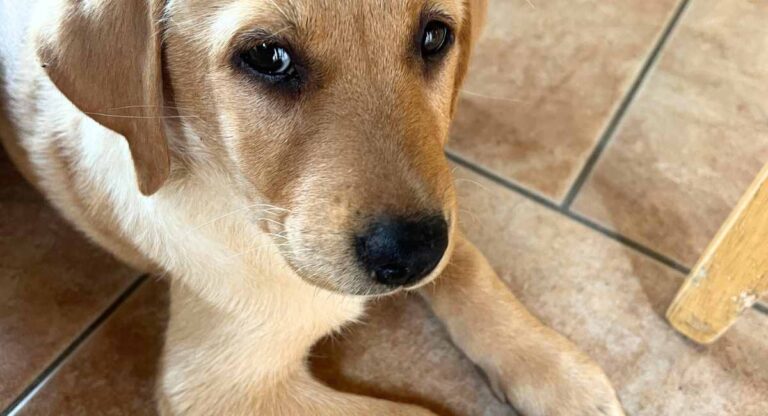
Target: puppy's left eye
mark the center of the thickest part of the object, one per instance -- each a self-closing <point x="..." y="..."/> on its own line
<point x="269" y="59"/>
<point x="436" y="38"/>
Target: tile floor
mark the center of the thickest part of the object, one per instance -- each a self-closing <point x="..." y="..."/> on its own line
<point x="616" y="135"/>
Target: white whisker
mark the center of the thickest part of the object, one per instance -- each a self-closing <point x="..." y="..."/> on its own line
<point x="491" y="97"/>
<point x="91" y="113"/>
<point x="245" y="208"/>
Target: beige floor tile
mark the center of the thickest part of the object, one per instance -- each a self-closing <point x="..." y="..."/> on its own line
<point x="53" y="283"/>
<point x="695" y="137"/>
<point x="545" y="80"/>
<point x="610" y="301"/>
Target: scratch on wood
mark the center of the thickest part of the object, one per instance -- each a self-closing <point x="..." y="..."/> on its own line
<point x="747" y="299"/>
<point x="699" y="325"/>
<point x="699" y="276"/>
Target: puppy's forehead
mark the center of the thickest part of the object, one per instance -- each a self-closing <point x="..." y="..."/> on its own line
<point x="316" y="21"/>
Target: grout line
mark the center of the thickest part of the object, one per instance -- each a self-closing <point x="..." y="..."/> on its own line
<point x="761" y="307"/>
<point x="618" y="116"/>
<point x="49" y="371"/>
<point x="456" y="158"/>
<point x="639" y="247"/>
<point x="628" y="242"/>
<point x="573" y="216"/>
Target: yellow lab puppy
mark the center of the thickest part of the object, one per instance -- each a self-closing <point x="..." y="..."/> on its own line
<point x="280" y="161"/>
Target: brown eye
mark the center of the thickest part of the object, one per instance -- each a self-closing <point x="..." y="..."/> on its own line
<point x="269" y="59"/>
<point x="436" y="37"/>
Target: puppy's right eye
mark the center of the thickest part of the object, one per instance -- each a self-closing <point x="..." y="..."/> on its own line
<point x="269" y="59"/>
<point x="437" y="37"/>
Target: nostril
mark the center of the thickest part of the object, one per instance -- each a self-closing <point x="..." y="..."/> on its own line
<point x="391" y="274"/>
<point x="398" y="251"/>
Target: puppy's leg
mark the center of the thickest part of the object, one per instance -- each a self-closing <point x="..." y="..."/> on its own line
<point x="293" y="395"/>
<point x="537" y="370"/>
<point x="251" y="362"/>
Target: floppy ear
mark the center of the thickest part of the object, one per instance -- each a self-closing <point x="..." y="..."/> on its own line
<point x="472" y="27"/>
<point x="105" y="56"/>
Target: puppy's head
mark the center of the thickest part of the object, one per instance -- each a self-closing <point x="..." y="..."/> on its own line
<point x="336" y="112"/>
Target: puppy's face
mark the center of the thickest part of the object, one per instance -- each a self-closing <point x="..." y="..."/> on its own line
<point x="337" y="112"/>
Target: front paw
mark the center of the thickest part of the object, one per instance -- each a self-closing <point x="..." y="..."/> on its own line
<point x="562" y="383"/>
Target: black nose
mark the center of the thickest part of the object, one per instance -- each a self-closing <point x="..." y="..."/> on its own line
<point x="398" y="252"/>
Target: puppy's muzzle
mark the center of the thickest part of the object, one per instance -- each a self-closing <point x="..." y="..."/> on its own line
<point x="399" y="251"/>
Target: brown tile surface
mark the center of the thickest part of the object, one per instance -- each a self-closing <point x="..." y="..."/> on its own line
<point x="606" y="297"/>
<point x="112" y="373"/>
<point x="53" y="283"/>
<point x="554" y="71"/>
<point x="610" y="301"/>
<point x="695" y="137"/>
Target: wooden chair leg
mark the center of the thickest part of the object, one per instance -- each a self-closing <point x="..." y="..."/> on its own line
<point x="732" y="273"/>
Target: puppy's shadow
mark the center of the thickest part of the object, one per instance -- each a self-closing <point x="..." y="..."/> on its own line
<point x="402" y="353"/>
<point x="333" y="355"/>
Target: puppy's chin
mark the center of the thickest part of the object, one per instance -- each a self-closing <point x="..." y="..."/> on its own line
<point x="352" y="283"/>
<point x="356" y="285"/>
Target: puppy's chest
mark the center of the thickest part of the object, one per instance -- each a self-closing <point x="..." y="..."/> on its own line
<point x="321" y="311"/>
